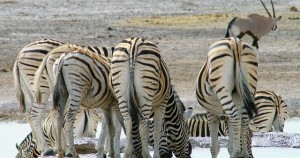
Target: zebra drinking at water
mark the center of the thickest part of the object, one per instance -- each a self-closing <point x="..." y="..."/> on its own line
<point x="271" y="114"/>
<point x="141" y="82"/>
<point x="85" y="125"/>
<point x="31" y="77"/>
<point x="226" y="85"/>
<point x="26" y="64"/>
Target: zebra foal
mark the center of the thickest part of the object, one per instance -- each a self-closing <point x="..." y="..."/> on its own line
<point x="225" y="86"/>
<point x="141" y="82"/>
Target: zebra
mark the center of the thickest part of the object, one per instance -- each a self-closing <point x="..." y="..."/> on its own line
<point x="86" y="122"/>
<point x="272" y="112"/>
<point x="198" y="126"/>
<point x="254" y="25"/>
<point x="169" y="145"/>
<point x="48" y="67"/>
<point x="141" y="83"/>
<point x="26" y="66"/>
<point x="82" y="78"/>
<point x="226" y="85"/>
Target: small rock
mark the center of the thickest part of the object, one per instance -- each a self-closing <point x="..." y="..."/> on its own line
<point x="293" y="9"/>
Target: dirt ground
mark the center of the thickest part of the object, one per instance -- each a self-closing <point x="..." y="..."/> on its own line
<point x="183" y="31"/>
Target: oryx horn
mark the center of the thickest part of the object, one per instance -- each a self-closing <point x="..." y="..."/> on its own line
<point x="266" y="7"/>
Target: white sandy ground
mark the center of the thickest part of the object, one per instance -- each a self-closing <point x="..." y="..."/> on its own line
<point x="16" y="132"/>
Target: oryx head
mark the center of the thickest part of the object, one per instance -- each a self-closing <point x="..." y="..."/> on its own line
<point x="274" y="19"/>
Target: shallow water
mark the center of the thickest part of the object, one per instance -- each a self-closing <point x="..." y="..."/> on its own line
<point x="12" y="133"/>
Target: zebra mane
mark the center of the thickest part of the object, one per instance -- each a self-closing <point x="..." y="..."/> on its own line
<point x="69" y="48"/>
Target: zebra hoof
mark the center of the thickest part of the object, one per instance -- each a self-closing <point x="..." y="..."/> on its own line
<point x="98" y="155"/>
<point x="167" y="155"/>
<point x="68" y="155"/>
<point x="49" y="152"/>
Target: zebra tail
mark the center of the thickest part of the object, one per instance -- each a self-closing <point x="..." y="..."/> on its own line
<point x="37" y="78"/>
<point x="20" y="94"/>
<point x="60" y="96"/>
<point x="132" y="103"/>
<point x="229" y="27"/>
<point x="244" y="91"/>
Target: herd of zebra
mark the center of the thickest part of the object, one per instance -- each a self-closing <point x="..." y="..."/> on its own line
<point x="131" y="85"/>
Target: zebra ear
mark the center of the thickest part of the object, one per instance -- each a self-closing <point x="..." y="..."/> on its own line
<point x="17" y="146"/>
<point x="278" y="18"/>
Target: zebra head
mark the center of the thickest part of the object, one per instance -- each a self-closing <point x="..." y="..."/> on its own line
<point x="274" y="18"/>
<point x="281" y="115"/>
<point x="21" y="153"/>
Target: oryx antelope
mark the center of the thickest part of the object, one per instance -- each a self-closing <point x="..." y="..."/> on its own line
<point x="254" y="25"/>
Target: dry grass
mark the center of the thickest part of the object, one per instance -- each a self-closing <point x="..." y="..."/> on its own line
<point x="201" y="21"/>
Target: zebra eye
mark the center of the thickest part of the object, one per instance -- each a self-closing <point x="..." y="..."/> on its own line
<point x="274" y="27"/>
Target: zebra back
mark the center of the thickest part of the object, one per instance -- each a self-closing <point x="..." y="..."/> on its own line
<point x="47" y="64"/>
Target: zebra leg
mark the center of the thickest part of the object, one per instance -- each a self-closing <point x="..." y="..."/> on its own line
<point x="159" y="113"/>
<point x="111" y="130"/>
<point x="70" y="118"/>
<point x="35" y="116"/>
<point x="144" y="133"/>
<point x="246" y="137"/>
<point x="128" y="126"/>
<point x="118" y="129"/>
<point x="99" y="147"/>
<point x="213" y="125"/>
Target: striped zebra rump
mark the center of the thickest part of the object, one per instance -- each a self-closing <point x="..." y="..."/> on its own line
<point x="141" y="82"/>
<point x="82" y="78"/>
<point x="225" y="86"/>
<point x="26" y="64"/>
<point x="87" y="128"/>
<point x="272" y="112"/>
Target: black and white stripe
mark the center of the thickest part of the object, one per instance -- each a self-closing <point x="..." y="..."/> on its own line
<point x="198" y="126"/>
<point x="141" y="82"/>
<point x="226" y="86"/>
<point x="82" y="78"/>
<point x="26" y="64"/>
<point x="86" y="122"/>
<point x="272" y="112"/>
<point x="25" y="71"/>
